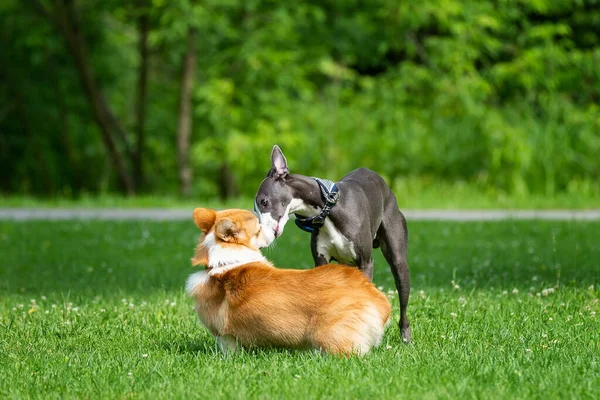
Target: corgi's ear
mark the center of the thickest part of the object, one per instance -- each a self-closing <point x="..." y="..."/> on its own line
<point x="204" y="218"/>
<point x="226" y="230"/>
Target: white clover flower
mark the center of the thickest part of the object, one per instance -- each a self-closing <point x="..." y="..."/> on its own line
<point x="547" y="291"/>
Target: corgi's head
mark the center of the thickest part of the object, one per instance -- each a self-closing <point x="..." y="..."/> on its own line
<point x="231" y="238"/>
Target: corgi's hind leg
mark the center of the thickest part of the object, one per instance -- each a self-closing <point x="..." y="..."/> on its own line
<point x="227" y="343"/>
<point x="340" y="340"/>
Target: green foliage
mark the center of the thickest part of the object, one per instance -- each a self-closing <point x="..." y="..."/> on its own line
<point x="503" y="95"/>
<point x="498" y="310"/>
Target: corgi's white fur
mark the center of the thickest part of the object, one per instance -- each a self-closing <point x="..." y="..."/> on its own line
<point x="243" y="300"/>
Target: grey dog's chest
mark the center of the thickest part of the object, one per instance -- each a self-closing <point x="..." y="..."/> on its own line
<point x="331" y="243"/>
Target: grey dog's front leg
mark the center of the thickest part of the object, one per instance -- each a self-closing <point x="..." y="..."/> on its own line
<point x="318" y="258"/>
<point x="367" y="268"/>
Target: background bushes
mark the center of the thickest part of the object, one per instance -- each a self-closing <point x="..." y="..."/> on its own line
<point x="502" y="95"/>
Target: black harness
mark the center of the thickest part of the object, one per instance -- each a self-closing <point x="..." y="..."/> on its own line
<point x="330" y="194"/>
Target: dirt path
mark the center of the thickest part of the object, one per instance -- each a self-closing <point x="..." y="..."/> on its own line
<point x="160" y="214"/>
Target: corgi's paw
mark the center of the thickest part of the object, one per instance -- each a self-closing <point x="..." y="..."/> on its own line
<point x="227" y="343"/>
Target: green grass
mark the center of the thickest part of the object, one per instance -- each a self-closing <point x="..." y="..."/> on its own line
<point x="498" y="310"/>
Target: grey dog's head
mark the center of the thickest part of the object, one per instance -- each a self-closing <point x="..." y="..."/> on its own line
<point x="274" y="197"/>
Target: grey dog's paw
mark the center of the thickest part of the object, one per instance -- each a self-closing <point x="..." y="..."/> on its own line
<point x="406" y="335"/>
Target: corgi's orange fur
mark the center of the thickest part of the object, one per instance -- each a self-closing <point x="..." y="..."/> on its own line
<point x="243" y="300"/>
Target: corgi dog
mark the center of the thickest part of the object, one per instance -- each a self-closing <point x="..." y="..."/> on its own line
<point x="243" y="300"/>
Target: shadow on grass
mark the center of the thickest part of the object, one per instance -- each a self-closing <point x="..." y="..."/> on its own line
<point x="208" y="346"/>
<point x="122" y="258"/>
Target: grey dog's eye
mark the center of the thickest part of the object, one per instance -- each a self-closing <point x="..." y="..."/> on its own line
<point x="264" y="202"/>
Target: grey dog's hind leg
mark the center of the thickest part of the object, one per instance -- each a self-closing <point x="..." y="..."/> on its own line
<point x="393" y="238"/>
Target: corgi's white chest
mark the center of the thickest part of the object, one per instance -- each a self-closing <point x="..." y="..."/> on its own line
<point x="196" y="282"/>
<point x="213" y="316"/>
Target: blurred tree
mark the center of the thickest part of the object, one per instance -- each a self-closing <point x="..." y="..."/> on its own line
<point x="65" y="16"/>
<point x="185" y="114"/>
<point x="503" y="95"/>
<point x="142" y="11"/>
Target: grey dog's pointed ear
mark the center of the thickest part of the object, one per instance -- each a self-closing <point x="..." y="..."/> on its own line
<point x="279" y="166"/>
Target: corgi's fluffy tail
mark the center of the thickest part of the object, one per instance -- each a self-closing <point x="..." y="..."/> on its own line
<point x="357" y="332"/>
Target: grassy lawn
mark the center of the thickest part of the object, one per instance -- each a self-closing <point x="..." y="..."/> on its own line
<point x="498" y="310"/>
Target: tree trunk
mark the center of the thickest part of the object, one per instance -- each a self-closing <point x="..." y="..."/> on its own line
<point x="227" y="185"/>
<point x="46" y="183"/>
<point x="41" y="174"/>
<point x="142" y="84"/>
<point x="63" y="16"/>
<point x="74" y="173"/>
<point x="76" y="181"/>
<point x="185" y="115"/>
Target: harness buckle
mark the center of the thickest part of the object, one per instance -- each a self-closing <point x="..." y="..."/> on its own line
<point x="333" y="197"/>
<point x="319" y="220"/>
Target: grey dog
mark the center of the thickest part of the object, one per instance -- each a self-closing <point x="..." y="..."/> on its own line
<point x="346" y="220"/>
